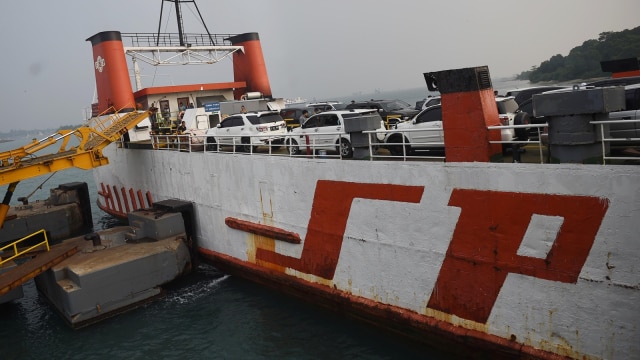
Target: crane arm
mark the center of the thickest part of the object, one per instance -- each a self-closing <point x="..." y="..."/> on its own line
<point x="23" y="163"/>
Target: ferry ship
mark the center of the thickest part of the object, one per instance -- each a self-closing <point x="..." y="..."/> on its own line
<point x="529" y="260"/>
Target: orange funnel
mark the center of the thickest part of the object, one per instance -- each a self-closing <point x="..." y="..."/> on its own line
<point x="111" y="71"/>
<point x="249" y="66"/>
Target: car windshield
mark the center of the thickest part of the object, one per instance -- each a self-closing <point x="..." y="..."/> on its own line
<point x="264" y="119"/>
<point x="395" y="105"/>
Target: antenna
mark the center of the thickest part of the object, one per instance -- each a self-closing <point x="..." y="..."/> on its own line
<point x="179" y="21"/>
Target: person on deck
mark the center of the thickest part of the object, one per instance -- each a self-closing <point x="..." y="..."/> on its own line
<point x="182" y="128"/>
<point x="303" y="117"/>
<point x="154" y="119"/>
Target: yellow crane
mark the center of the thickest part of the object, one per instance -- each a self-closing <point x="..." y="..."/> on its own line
<point x="23" y="163"/>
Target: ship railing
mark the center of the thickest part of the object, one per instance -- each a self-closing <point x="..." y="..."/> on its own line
<point x="174" y="142"/>
<point x="18" y="252"/>
<point x="631" y="142"/>
<point x="200" y="143"/>
<point x="173" y="39"/>
<point x="536" y="148"/>
<point x="539" y="144"/>
<point x="411" y="150"/>
<point x="311" y="147"/>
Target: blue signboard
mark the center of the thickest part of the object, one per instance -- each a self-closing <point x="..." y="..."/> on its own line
<point x="212" y="107"/>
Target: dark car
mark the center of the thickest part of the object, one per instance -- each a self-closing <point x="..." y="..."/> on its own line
<point x="525" y="116"/>
<point x="521" y="95"/>
<point x="292" y="115"/>
<point x="615" y="81"/>
<point x="391" y="111"/>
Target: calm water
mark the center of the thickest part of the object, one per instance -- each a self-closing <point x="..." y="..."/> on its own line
<point x="207" y="315"/>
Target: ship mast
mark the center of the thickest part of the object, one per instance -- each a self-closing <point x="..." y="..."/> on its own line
<point x="162" y="49"/>
<point x="180" y="22"/>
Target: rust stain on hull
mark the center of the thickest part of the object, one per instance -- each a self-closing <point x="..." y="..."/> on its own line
<point x="423" y="328"/>
<point x="263" y="230"/>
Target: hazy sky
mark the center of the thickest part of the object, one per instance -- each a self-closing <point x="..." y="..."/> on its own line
<point x="313" y="49"/>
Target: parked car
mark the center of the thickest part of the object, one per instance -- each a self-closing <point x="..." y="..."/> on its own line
<point x="325" y="131"/>
<point x="432" y="137"/>
<point x="431" y="100"/>
<point x="623" y="81"/>
<point x="521" y="95"/>
<point x="248" y="131"/>
<point x="291" y="116"/>
<point x="507" y="107"/>
<point x="391" y="111"/>
<point x="326" y="106"/>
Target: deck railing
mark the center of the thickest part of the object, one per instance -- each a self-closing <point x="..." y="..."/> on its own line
<point x="615" y="141"/>
<point x="173" y="39"/>
<point x="537" y="150"/>
<point x="17" y="252"/>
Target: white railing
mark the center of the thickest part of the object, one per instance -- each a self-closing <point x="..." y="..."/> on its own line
<point x="281" y="145"/>
<point x="416" y="149"/>
<point x="539" y="143"/>
<point x="634" y="142"/>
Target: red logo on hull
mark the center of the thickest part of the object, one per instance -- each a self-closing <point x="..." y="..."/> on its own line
<point x="329" y="214"/>
<point x="484" y="247"/>
<point x="485" y="242"/>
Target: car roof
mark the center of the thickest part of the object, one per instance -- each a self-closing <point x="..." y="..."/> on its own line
<point x="527" y="93"/>
<point x="295" y="108"/>
<point x="629" y="80"/>
<point x="323" y="103"/>
<point x="374" y="101"/>
<point x="259" y="113"/>
<point x="349" y="111"/>
<point x="503" y="98"/>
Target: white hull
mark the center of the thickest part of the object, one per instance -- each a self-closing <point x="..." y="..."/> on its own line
<point x="455" y="249"/>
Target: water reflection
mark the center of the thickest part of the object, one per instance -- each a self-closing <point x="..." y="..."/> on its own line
<point x="107" y="221"/>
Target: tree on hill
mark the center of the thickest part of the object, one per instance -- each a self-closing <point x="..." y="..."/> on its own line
<point x="583" y="62"/>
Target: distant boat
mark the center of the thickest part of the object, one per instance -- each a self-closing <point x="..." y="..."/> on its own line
<point x="5" y="140"/>
<point x="296" y="101"/>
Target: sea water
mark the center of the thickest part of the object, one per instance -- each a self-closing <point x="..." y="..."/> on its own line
<point x="207" y="315"/>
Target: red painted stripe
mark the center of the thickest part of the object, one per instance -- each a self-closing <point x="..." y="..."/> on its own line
<point x="140" y="199"/>
<point x="325" y="231"/>
<point x="104" y="193"/>
<point x="111" y="211"/>
<point x="149" y="199"/>
<point x="124" y="196"/>
<point x="115" y="192"/>
<point x="188" y="88"/>
<point x="133" y="199"/>
<point x="263" y="230"/>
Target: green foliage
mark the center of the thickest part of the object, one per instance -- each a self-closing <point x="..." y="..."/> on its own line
<point x="583" y="62"/>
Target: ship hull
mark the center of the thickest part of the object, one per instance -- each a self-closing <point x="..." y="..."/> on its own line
<point x="530" y="260"/>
